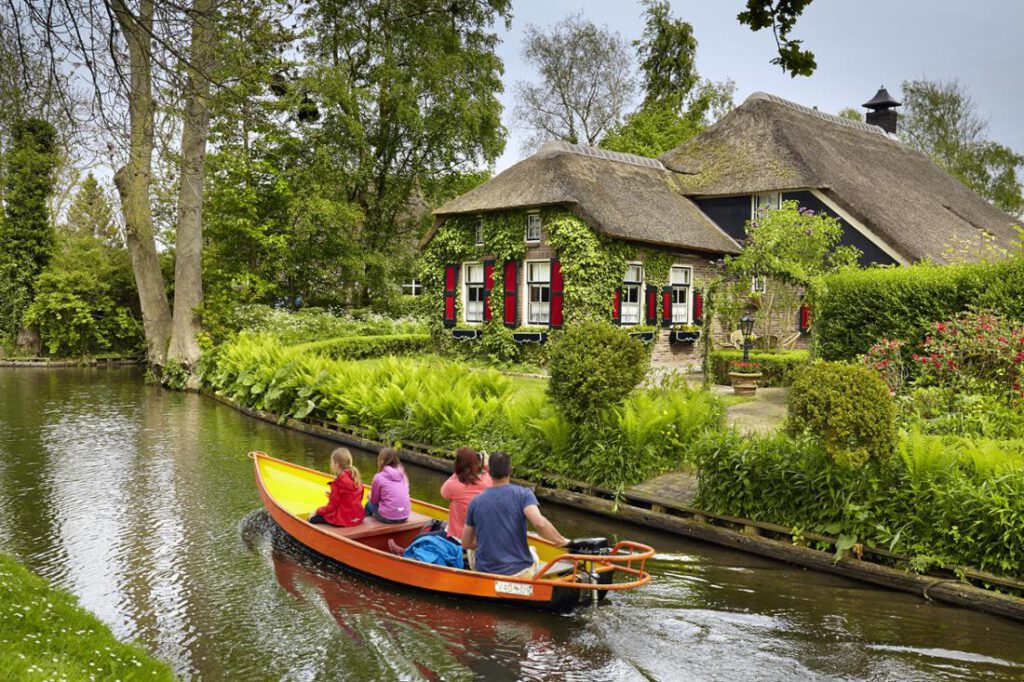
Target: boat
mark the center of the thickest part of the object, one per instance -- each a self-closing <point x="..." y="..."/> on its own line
<point x="291" y="493"/>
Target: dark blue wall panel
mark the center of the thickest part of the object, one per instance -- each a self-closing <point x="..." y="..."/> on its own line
<point x="870" y="253"/>
<point x="729" y="213"/>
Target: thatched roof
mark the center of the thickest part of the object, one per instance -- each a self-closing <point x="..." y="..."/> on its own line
<point x="619" y="195"/>
<point x="769" y="143"/>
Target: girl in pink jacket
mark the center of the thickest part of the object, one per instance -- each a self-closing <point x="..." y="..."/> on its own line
<point x="389" y="493"/>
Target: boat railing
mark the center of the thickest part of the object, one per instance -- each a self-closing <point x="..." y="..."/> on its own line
<point x="626" y="558"/>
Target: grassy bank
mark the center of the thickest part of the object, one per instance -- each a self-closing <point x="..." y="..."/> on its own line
<point x="46" y="635"/>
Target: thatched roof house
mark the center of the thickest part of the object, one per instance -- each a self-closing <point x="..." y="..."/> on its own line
<point x="620" y="195"/>
<point x="883" y="188"/>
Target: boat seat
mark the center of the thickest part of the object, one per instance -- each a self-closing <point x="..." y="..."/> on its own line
<point x="371" y="526"/>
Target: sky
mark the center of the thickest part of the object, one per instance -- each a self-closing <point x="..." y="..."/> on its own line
<point x="859" y="45"/>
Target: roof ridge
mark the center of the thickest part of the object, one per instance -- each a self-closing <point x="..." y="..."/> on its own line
<point x="831" y="118"/>
<point x="605" y="154"/>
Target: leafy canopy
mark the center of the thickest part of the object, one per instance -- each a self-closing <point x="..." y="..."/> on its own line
<point x="780" y="16"/>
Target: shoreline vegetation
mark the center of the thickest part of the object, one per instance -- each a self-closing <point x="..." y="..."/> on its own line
<point x="47" y="635"/>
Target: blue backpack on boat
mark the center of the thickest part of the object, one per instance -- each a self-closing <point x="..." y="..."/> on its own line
<point x="435" y="549"/>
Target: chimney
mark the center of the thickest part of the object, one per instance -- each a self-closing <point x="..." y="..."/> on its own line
<point x="883" y="110"/>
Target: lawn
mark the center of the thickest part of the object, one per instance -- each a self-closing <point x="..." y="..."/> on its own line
<point x="46" y="635"/>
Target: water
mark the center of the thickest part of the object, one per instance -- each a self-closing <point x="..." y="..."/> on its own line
<point x="142" y="503"/>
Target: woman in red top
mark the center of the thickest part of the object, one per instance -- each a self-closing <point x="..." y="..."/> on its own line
<point x="468" y="481"/>
<point x="345" y="500"/>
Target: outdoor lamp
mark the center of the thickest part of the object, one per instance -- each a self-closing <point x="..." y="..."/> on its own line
<point x="747" y="327"/>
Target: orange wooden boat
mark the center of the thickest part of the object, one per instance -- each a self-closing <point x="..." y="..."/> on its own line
<point x="291" y="493"/>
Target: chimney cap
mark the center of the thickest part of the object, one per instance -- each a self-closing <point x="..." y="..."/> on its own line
<point x="881" y="100"/>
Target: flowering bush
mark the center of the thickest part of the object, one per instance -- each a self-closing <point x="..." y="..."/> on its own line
<point x="886" y="358"/>
<point x="746" y="367"/>
<point x="975" y="353"/>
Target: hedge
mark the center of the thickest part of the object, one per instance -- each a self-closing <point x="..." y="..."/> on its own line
<point x="778" y="368"/>
<point x="854" y="309"/>
<point x="359" y="347"/>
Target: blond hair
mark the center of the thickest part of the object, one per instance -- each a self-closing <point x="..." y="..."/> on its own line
<point x="342" y="459"/>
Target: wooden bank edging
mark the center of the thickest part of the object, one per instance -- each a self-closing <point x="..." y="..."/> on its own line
<point x="71" y="362"/>
<point x="754" y="537"/>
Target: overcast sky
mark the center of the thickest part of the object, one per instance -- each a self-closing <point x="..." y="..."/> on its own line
<point x="859" y="45"/>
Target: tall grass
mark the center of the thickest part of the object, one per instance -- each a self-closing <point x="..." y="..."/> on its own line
<point x="448" y="404"/>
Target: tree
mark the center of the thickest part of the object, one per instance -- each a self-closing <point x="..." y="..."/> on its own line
<point x="851" y="113"/>
<point x="789" y="246"/>
<point x="941" y="119"/>
<point x="26" y="233"/>
<point x="780" y="16"/>
<point x="586" y="82"/>
<point x="89" y="213"/>
<point x="406" y="94"/>
<point x="677" y="103"/>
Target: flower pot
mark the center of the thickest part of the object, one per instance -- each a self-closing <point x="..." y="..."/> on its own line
<point x="463" y="334"/>
<point x="643" y="336"/>
<point x="744" y="383"/>
<point x="684" y="337"/>
<point x="529" y="337"/>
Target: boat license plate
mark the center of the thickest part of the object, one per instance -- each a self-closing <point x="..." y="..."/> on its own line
<point x="521" y="589"/>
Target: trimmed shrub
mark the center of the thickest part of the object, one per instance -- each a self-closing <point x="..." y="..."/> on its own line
<point x="593" y="367"/>
<point x="854" y="309"/>
<point x="847" y="408"/>
<point x="359" y="347"/>
<point x="778" y="368"/>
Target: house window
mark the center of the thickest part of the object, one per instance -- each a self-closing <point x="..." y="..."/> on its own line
<point x="474" y="280"/>
<point x="412" y="287"/>
<point x="538" y="283"/>
<point x="680" y="280"/>
<point x="478" y="232"/>
<point x="533" y="227"/>
<point x="758" y="285"/>
<point x="765" y="201"/>
<point x="632" y="283"/>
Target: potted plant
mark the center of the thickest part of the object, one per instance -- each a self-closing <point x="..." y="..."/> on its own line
<point x="685" y="333"/>
<point x="644" y="333"/>
<point x="754" y="300"/>
<point x="466" y="333"/>
<point x="744" y="377"/>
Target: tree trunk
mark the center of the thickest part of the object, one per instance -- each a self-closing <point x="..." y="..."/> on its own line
<point x="133" y="180"/>
<point x="188" y="282"/>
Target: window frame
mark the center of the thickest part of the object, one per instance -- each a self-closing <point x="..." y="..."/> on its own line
<point x="467" y="285"/>
<point x="478" y="231"/>
<point x="628" y="285"/>
<point x="529" y="285"/>
<point x="540" y="227"/>
<point x="687" y="307"/>
<point x="758" y="284"/>
<point x="755" y="202"/>
<point x="412" y="287"/>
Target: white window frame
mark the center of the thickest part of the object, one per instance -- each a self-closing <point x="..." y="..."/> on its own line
<point x="774" y="202"/>
<point x="412" y="287"/>
<point x="534" y="220"/>
<point x="478" y="231"/>
<point x="758" y="284"/>
<point x="466" y="286"/>
<point x="681" y="314"/>
<point x="528" y="297"/>
<point x="629" y="284"/>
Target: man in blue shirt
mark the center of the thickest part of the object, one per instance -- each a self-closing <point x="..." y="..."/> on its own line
<point x="496" y="524"/>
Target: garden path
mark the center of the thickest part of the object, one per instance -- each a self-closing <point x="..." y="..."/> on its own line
<point x="763" y="413"/>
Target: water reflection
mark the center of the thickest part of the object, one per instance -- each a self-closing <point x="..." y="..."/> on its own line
<point x="132" y="497"/>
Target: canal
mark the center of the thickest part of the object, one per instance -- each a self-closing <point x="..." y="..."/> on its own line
<point x="142" y="503"/>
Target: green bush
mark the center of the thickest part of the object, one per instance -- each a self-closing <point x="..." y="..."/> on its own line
<point x="778" y="368"/>
<point x="847" y="408"/>
<point x="594" y="366"/>
<point x="957" y="501"/>
<point x="359" y="347"/>
<point x="943" y="411"/>
<point x="316" y="324"/>
<point x="854" y="309"/>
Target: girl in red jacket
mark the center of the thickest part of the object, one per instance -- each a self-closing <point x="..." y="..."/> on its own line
<point x="345" y="500"/>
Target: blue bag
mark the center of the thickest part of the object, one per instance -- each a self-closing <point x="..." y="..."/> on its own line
<point x="435" y="549"/>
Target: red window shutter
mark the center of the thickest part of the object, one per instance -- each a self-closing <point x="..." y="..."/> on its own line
<point x="805" y="318"/>
<point x="617" y="307"/>
<point x="666" y="307"/>
<point x="698" y="306"/>
<point x="488" y="285"/>
<point x="451" y="277"/>
<point x="652" y="305"/>
<point x="556" y="293"/>
<point x="511" y="293"/>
